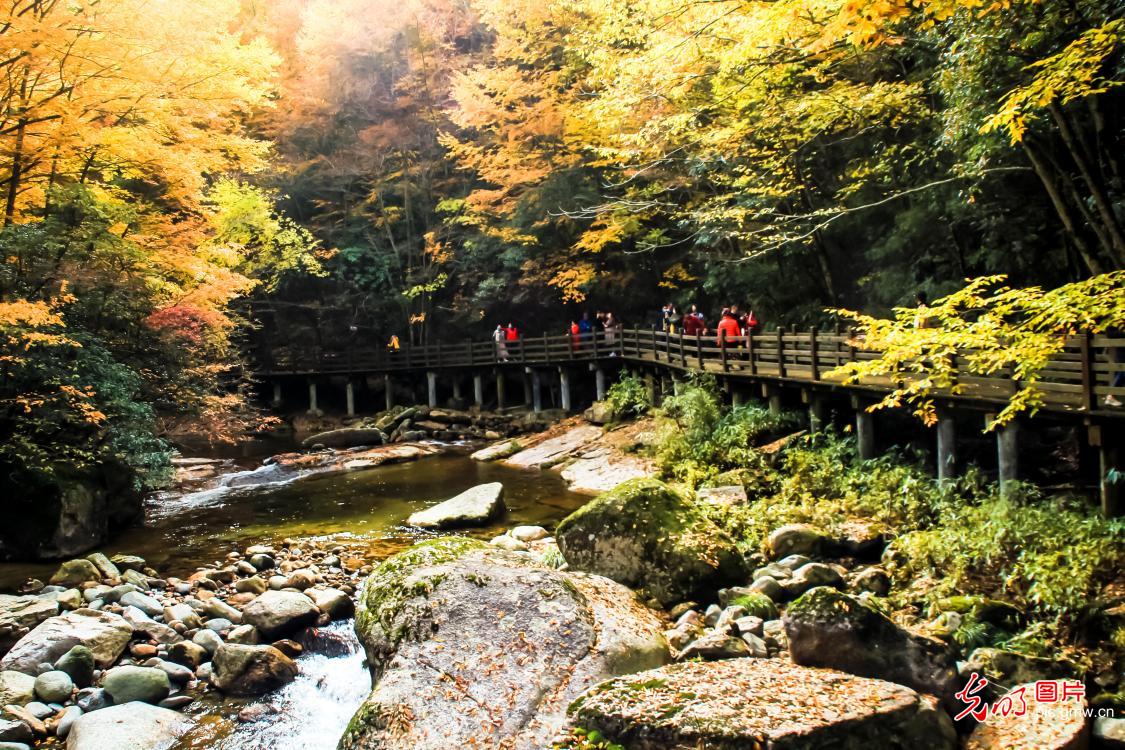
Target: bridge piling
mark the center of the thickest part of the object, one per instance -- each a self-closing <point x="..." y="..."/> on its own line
<point x="536" y="391"/>
<point x="276" y="401"/>
<point x="389" y="391"/>
<point x="1111" y="475"/>
<point x="817" y="411"/>
<point x="456" y="389"/>
<point x="499" y="389"/>
<point x="349" y="396"/>
<point x="599" y="382"/>
<point x="431" y="389"/>
<point x="313" y="410"/>
<point x="478" y="390"/>
<point x="946" y="447"/>
<point x="1007" y="453"/>
<point x="864" y="429"/>
<point x="564" y="389"/>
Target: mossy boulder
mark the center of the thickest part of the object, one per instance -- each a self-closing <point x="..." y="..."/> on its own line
<point x="760" y="703"/>
<point x="646" y="535"/>
<point x="827" y="628"/>
<point x="471" y="645"/>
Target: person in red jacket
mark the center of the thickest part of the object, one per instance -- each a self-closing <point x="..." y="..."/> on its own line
<point x="729" y="330"/>
<point x="694" y="323"/>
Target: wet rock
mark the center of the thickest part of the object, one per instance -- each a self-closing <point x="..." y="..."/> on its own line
<point x="300" y="580"/>
<point x="256" y="712"/>
<point x="333" y="602"/>
<point x="251" y="670"/>
<point x="253" y="584"/>
<point x="133" y="726"/>
<point x="129" y="683"/>
<point x="176" y="702"/>
<point x="128" y="562"/>
<point x="66" y="722"/>
<point x="143" y="602"/>
<point x="157" y="631"/>
<point x="497" y="451"/>
<point x="277" y="614"/>
<point x="474" y="506"/>
<point x="827" y="628"/>
<point x="246" y="635"/>
<point x="78" y="663"/>
<point x="348" y="437"/>
<point x="16" y="688"/>
<point x="91" y="699"/>
<point x="506" y="646"/>
<point x="529" y="533"/>
<point x="19" y="614"/>
<point x="645" y="535"/>
<point x="105" y="566"/>
<point x="216" y="607"/>
<point x="796" y="539"/>
<point x="716" y="644"/>
<point x="105" y="634"/>
<point x="1041" y="726"/>
<point x="262" y="561"/>
<point x="54" y="686"/>
<point x="188" y="653"/>
<point x="75" y="573"/>
<point x="208" y="639"/>
<point x="760" y="703"/>
<point x="177" y="673"/>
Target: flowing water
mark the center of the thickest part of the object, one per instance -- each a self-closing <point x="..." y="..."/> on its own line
<point x="364" y="509"/>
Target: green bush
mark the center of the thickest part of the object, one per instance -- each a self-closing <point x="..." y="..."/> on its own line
<point x="629" y="397"/>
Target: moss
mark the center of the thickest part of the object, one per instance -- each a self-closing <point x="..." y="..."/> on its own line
<point x="982" y="609"/>
<point x="389" y="586"/>
<point x="757" y="605"/>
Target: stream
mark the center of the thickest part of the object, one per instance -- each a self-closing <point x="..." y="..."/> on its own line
<point x="364" y="509"/>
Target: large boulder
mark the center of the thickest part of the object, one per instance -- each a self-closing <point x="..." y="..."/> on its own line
<point x="827" y="628"/>
<point x="251" y="670"/>
<point x="132" y="726"/>
<point x="470" y="645"/>
<point x="473" y="507"/>
<point x="760" y="703"/>
<point x="104" y="633"/>
<point x="130" y="683"/>
<point x="347" y="437"/>
<point x="277" y="614"/>
<point x="646" y="535"/>
<point x="19" y="614"/>
<point x="1033" y="725"/>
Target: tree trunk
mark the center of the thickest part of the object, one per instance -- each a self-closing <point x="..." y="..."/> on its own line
<point x="1044" y="172"/>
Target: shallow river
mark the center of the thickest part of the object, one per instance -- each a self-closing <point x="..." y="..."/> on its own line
<point x="183" y="531"/>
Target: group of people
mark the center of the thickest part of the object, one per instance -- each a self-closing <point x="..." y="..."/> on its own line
<point x="733" y="324"/>
<point x="581" y="330"/>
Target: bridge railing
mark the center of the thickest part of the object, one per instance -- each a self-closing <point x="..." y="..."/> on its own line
<point x="1079" y="378"/>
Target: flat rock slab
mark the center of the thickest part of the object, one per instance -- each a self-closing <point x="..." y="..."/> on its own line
<point x="553" y="451"/>
<point x="760" y="703"/>
<point x="131" y="726"/>
<point x="346" y="437"/>
<point x="19" y="614"/>
<point x="496" y="451"/>
<point x="601" y="470"/>
<point x="1042" y="726"/>
<point x="473" y="507"/>
<point x="105" y="634"/>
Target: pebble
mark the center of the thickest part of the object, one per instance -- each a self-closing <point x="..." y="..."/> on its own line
<point x="209" y="640"/>
<point x="92" y="699"/>
<point x="69" y="716"/>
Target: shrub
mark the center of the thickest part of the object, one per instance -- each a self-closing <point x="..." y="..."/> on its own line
<point x="629" y="397"/>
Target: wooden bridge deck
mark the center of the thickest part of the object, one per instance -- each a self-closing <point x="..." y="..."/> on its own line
<point x="1075" y="383"/>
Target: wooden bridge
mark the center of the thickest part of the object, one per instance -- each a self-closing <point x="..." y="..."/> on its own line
<point x="777" y="364"/>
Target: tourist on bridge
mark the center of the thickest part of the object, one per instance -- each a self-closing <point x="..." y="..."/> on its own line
<point x="500" y="335"/>
<point x="694" y="324"/>
<point x="575" y="336"/>
<point x="612" y="328"/>
<point x="393" y="344"/>
<point x="729" y="331"/>
<point x="669" y="318"/>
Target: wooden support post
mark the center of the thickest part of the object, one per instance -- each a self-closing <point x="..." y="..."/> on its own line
<point x="536" y="391"/>
<point x="650" y="385"/>
<point x="1007" y="453"/>
<point x="1111" y="476"/>
<point x="1089" y="398"/>
<point x="773" y="395"/>
<point x="499" y="389"/>
<point x="750" y="353"/>
<point x="349" y="395"/>
<point x="527" y="387"/>
<point x="813" y="363"/>
<point x="389" y="391"/>
<point x="313" y="410"/>
<point x="276" y="402"/>
<point x="817" y="412"/>
<point x="431" y="389"/>
<point x="683" y="356"/>
<point x="599" y="383"/>
<point x="864" y="429"/>
<point x="735" y="396"/>
<point x="699" y="350"/>
<point x="946" y="447"/>
<point x="781" y="351"/>
<point x="478" y="390"/>
<point x="564" y="389"/>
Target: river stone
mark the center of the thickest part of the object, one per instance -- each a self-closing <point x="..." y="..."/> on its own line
<point x="646" y="535"/>
<point x="262" y="561"/>
<point x="75" y="572"/>
<point x="827" y="628"/>
<point x="505" y="644"/>
<point x="143" y="602"/>
<point x="1010" y="668"/>
<point x="246" y="635"/>
<point x="216" y="607"/>
<point x="70" y="715"/>
<point x="70" y="599"/>
<point x="475" y="506"/>
<point x="177" y="673"/>
<point x="104" y="565"/>
<point x="133" y="726"/>
<point x="128" y="562"/>
<point x="529" y="533"/>
<point x="54" y="686"/>
<point x="19" y="614"/>
<point x="277" y="614"/>
<point x="1053" y="726"/>
<point x="347" y="437"/>
<point x="760" y="703"/>
<point x="251" y="670"/>
<point x="12" y="730"/>
<point x="157" y="631"/>
<point x="91" y="699"/>
<point x="253" y="585"/>
<point x="333" y="602"/>
<point x="188" y="653"/>
<point x="796" y="539"/>
<point x="16" y="688"/>
<point x="129" y="683"/>
<point x="208" y="639"/>
<point x="78" y="663"/>
<point x="104" y="633"/>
